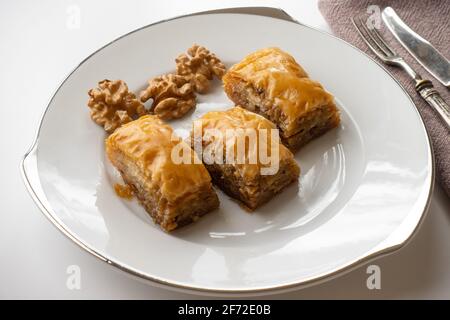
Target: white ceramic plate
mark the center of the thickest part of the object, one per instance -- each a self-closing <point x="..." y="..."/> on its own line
<point x="363" y="190"/>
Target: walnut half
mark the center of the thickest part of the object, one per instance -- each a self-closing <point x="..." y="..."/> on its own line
<point x="172" y="96"/>
<point x="112" y="105"/>
<point x="199" y="65"/>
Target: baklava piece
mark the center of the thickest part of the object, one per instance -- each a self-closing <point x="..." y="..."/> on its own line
<point x="270" y="82"/>
<point x="243" y="177"/>
<point x="173" y="194"/>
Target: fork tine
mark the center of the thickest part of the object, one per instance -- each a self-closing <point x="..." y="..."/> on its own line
<point x="374" y="49"/>
<point x="372" y="37"/>
<point x="386" y="46"/>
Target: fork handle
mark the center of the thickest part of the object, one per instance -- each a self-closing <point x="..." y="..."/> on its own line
<point x="434" y="99"/>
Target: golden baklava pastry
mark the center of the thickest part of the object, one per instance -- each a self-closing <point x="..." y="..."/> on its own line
<point x="270" y="82"/>
<point x="174" y="194"/>
<point x="252" y="170"/>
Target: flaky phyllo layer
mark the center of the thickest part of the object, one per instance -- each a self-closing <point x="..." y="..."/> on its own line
<point x="260" y="166"/>
<point x="271" y="83"/>
<point x="173" y="193"/>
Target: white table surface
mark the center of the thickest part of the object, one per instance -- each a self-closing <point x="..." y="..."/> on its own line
<point x="37" y="50"/>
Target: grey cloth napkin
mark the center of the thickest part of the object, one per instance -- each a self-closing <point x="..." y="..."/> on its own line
<point x="430" y="19"/>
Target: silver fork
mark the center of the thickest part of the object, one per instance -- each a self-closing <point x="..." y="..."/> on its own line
<point x="424" y="87"/>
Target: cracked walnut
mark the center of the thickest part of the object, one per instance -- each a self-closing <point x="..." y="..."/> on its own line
<point x="199" y="65"/>
<point x="112" y="105"/>
<point x="172" y="96"/>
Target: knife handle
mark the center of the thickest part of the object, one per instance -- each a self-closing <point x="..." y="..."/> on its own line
<point x="434" y="99"/>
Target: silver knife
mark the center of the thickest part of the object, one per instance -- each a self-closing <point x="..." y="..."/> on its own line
<point x="418" y="47"/>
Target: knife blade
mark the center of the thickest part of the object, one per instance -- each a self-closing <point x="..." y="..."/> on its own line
<point x="418" y="47"/>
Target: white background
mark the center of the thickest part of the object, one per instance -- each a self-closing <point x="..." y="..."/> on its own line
<point x="37" y="50"/>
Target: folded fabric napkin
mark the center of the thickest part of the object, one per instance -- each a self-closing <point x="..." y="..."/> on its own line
<point x="430" y="19"/>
